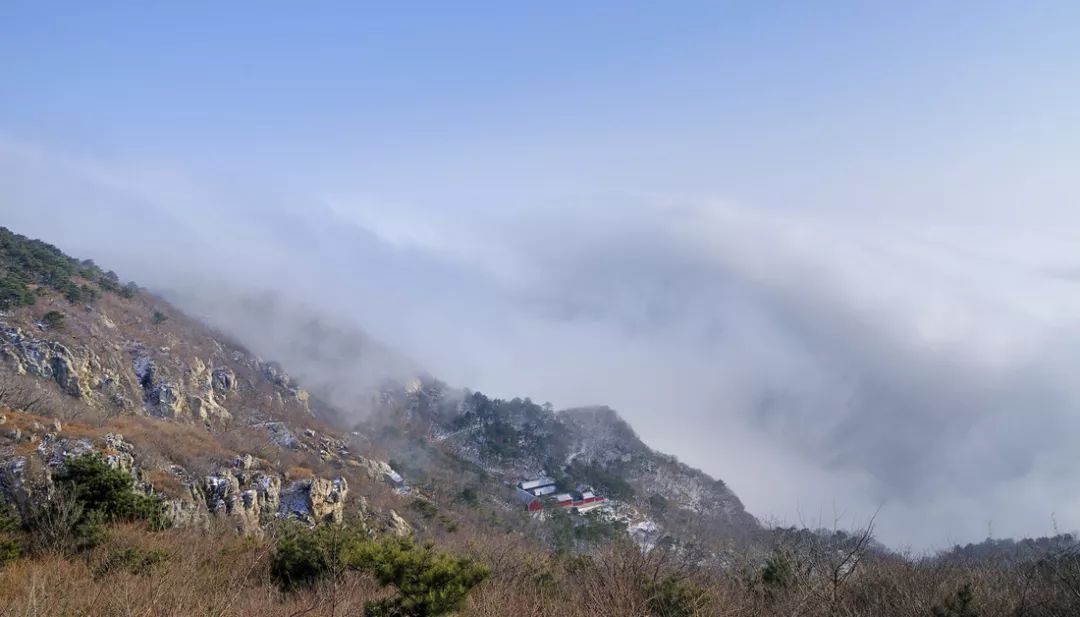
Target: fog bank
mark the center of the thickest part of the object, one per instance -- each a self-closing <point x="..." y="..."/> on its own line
<point x="819" y="362"/>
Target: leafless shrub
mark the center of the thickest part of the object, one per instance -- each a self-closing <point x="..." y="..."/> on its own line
<point x="39" y="396"/>
<point x="215" y="572"/>
<point x="17" y="392"/>
<point x="54" y="524"/>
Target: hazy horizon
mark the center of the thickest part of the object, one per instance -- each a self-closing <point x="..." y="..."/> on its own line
<point x="826" y="254"/>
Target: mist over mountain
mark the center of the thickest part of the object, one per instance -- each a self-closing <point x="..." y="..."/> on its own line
<point x="723" y="334"/>
<point x="824" y="253"/>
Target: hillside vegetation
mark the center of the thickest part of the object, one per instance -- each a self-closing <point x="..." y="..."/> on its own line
<point x="27" y="266"/>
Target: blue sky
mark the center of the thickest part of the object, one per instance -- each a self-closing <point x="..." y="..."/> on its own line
<point x="699" y="97"/>
<point x="825" y="251"/>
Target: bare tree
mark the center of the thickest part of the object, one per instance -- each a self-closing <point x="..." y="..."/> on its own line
<point x="54" y="524"/>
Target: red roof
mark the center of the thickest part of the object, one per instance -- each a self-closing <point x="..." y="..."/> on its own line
<point x="583" y="502"/>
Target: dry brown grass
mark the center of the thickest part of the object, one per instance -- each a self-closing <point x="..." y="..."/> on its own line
<point x="616" y="583"/>
<point x="216" y="573"/>
<point x="299" y="473"/>
<point x="175" y="441"/>
<point x="183" y="444"/>
<point x="23" y="420"/>
<point x="165" y="482"/>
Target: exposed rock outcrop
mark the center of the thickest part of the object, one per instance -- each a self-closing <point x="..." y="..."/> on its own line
<point x="24" y="485"/>
<point x="245" y="494"/>
<point x="29" y="355"/>
<point x="223" y="380"/>
<point x="250" y="498"/>
<point x="194" y="378"/>
<point x="315" y="500"/>
<point x="111" y="350"/>
<point x="397" y="525"/>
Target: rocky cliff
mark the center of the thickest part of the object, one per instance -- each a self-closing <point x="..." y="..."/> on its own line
<point x="91" y="366"/>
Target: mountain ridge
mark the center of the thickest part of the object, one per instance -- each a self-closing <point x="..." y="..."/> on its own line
<point x="518" y="439"/>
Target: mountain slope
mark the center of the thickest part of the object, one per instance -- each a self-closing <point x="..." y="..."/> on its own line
<point x="88" y="364"/>
<point x="518" y="440"/>
<point x="222" y="433"/>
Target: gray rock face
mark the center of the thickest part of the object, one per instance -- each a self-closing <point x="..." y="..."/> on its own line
<point x="379" y="470"/>
<point x="204" y="401"/>
<point x="251" y="499"/>
<point x="79" y="372"/>
<point x="244" y="462"/>
<point x="281" y="435"/>
<point x="167" y="399"/>
<point x="268" y="491"/>
<point x="242" y="493"/>
<point x="398" y="526"/>
<point x="315" y="500"/>
<point x="221" y="492"/>
<point x="191" y="379"/>
<point x="26" y="481"/>
<point x="54" y="450"/>
<point x="273" y="372"/>
<point x="48" y="359"/>
<point x="119" y="453"/>
<point x="195" y="396"/>
<point x="223" y="381"/>
<point x="24" y="486"/>
<point x="186" y="513"/>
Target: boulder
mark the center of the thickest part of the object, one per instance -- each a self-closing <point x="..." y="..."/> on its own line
<point x="281" y="435"/>
<point x="24" y="485"/>
<point x="249" y="500"/>
<point x="118" y="453"/>
<point x="207" y="410"/>
<point x="315" y="500"/>
<point x="221" y="491"/>
<point x="398" y="526"/>
<point x="223" y="381"/>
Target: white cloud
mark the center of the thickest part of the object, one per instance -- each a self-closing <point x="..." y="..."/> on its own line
<point x="808" y="358"/>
